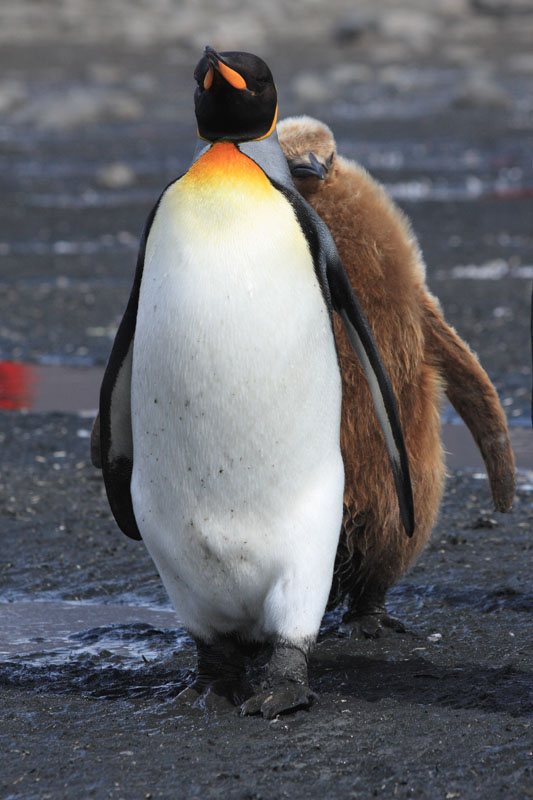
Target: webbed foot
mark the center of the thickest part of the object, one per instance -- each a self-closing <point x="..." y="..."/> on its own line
<point x="367" y="616"/>
<point x="215" y="694"/>
<point x="370" y="625"/>
<point x="279" y="700"/>
<point x="285" y="688"/>
<point x="221" y="675"/>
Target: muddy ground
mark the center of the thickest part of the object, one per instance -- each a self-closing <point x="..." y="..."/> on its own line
<point x="96" y="118"/>
<point x="444" y="710"/>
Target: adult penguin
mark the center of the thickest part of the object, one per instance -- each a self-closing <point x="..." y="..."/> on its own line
<point x="220" y="405"/>
<point x="422" y="355"/>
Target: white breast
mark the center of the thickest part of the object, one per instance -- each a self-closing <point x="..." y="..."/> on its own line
<point x="238" y="480"/>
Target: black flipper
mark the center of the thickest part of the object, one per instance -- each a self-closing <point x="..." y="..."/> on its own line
<point x="340" y="296"/>
<point x="116" y="440"/>
<point x="362" y="340"/>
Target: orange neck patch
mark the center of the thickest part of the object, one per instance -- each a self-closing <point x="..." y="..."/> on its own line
<point x="267" y="134"/>
<point x="224" y="164"/>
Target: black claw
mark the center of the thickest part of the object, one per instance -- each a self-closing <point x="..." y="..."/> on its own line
<point x="279" y="700"/>
<point x="285" y="688"/>
<point x="370" y="626"/>
<point x="216" y="694"/>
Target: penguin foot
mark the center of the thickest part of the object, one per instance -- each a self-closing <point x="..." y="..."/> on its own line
<point x="221" y="677"/>
<point x="370" y="625"/>
<point x="283" y="699"/>
<point x="215" y="695"/>
<point x="367" y="616"/>
<point x="285" y="687"/>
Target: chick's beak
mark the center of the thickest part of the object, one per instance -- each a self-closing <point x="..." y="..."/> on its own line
<point x="309" y="167"/>
<point x="216" y="64"/>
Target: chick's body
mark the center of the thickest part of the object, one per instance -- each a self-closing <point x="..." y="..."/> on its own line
<point x="423" y="357"/>
<point x="384" y="266"/>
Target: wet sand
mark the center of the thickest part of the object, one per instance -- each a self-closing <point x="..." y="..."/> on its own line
<point x="96" y="119"/>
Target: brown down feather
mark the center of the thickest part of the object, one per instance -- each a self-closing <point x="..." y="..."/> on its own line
<point x="422" y="355"/>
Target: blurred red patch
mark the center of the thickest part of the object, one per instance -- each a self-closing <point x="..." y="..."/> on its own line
<point x="16" y="384"/>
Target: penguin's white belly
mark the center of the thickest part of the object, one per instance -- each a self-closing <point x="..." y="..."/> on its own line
<point x="238" y="480"/>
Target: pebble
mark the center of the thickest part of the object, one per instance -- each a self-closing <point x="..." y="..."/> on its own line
<point x="484" y="522"/>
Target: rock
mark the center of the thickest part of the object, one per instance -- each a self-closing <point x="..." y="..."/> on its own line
<point x="483" y="522"/>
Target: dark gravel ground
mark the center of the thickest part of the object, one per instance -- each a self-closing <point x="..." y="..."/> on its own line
<point x="96" y="119"/>
<point x="445" y="710"/>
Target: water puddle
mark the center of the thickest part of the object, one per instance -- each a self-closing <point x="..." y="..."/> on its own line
<point x="56" y="630"/>
<point x="99" y="650"/>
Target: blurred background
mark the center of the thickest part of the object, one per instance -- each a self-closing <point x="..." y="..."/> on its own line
<point x="96" y="116"/>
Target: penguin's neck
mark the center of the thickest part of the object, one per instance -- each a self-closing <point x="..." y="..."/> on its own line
<point x="224" y="166"/>
<point x="266" y="153"/>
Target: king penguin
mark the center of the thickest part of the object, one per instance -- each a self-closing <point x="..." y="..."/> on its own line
<point x="423" y="356"/>
<point x="221" y="401"/>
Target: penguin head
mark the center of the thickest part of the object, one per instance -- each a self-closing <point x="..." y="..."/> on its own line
<point x="235" y="99"/>
<point x="310" y="150"/>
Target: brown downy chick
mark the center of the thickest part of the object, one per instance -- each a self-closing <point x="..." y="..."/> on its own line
<point x="422" y="355"/>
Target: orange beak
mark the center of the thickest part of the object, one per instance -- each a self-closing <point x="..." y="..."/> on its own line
<point x="208" y="80"/>
<point x="230" y="75"/>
